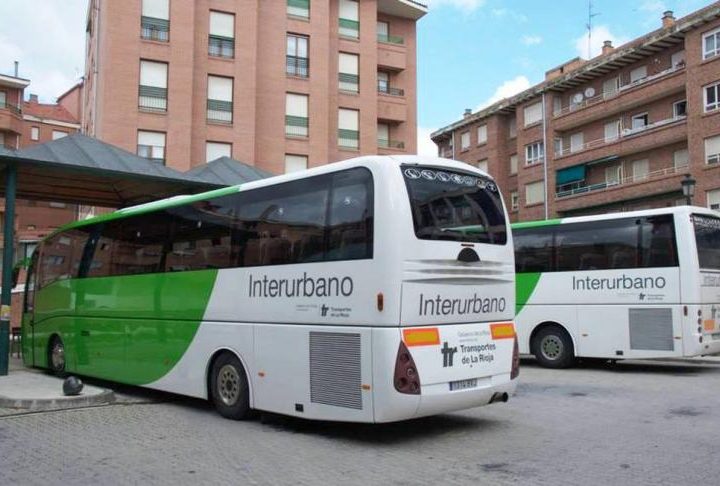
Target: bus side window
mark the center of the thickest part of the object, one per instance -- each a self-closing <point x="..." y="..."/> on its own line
<point x="30" y="284"/>
<point x="61" y="256"/>
<point x="351" y="217"/>
<point x="658" y="245"/>
<point x="533" y="250"/>
<point x="201" y="237"/>
<point x="136" y="243"/>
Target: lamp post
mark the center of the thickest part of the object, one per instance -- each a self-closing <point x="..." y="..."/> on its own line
<point x="688" y="188"/>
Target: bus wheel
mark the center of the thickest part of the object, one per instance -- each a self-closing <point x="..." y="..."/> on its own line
<point x="553" y="347"/>
<point x="56" y="356"/>
<point x="229" y="387"/>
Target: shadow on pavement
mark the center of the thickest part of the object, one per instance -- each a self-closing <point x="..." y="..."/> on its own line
<point x="676" y="368"/>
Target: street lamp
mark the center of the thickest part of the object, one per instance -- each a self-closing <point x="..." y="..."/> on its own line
<point x="688" y="188"/>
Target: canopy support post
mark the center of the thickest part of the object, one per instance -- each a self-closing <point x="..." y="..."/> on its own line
<point x="7" y="267"/>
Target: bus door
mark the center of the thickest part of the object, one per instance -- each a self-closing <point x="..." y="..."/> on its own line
<point x="28" y="312"/>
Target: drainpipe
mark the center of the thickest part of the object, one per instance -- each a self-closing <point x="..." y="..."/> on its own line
<point x="545" y="166"/>
<point x="453" y="144"/>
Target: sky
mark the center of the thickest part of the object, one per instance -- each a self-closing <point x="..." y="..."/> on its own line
<point x="471" y="53"/>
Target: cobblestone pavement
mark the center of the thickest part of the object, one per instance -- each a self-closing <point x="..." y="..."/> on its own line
<point x="635" y="423"/>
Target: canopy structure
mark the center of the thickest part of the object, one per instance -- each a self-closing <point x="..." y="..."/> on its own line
<point x="227" y="172"/>
<point x="81" y="170"/>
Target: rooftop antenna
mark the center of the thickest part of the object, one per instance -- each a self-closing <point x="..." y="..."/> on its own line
<point x="591" y="14"/>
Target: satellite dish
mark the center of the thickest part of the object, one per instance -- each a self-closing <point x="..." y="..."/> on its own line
<point x="590" y="92"/>
<point x="577" y="98"/>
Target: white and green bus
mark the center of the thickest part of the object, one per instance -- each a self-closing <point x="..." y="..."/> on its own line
<point x="370" y="290"/>
<point x="636" y="285"/>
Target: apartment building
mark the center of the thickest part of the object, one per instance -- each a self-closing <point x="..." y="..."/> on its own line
<point x="282" y="85"/>
<point x="614" y="133"/>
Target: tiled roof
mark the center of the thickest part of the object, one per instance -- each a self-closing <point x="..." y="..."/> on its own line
<point x="48" y="112"/>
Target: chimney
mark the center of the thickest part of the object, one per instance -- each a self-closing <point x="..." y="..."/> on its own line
<point x="607" y="47"/>
<point x="667" y="19"/>
<point x="467" y="113"/>
<point x="33" y="98"/>
<point x="17" y="67"/>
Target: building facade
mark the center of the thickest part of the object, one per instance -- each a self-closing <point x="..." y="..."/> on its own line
<point x="614" y="133"/>
<point x="281" y="85"/>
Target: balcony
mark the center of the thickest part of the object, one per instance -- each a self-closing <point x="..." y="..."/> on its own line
<point x="392" y="56"/>
<point x="155" y="29"/>
<point x="627" y="97"/>
<point x="297" y="66"/>
<point x="391" y="144"/>
<point x="625" y="181"/>
<point x="391" y="39"/>
<point x="385" y="89"/>
<point x="627" y="141"/>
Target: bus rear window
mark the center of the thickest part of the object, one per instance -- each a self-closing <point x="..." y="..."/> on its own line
<point x="455" y="206"/>
<point x="707" y="237"/>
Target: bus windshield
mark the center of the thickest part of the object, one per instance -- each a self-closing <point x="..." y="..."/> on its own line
<point x="707" y="237"/>
<point x="455" y="206"/>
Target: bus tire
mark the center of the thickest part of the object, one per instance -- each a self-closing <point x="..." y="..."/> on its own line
<point x="553" y="347"/>
<point x="56" y="356"/>
<point x="229" y="387"/>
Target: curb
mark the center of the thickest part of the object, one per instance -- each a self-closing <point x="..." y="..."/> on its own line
<point x="47" y="404"/>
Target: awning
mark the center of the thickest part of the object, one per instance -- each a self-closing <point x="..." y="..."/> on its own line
<point x="609" y="158"/>
<point x="570" y="174"/>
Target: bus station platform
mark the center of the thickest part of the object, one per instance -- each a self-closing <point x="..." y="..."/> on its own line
<point x="26" y="390"/>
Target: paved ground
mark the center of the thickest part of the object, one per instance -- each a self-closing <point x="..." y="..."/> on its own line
<point x="637" y="423"/>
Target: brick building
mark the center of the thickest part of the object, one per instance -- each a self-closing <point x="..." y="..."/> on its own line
<point x="282" y="85"/>
<point x="614" y="133"/>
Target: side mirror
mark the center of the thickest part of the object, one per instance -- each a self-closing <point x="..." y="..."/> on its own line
<point x="15" y="276"/>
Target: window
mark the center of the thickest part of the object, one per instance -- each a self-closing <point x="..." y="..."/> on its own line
<point x="639" y="121"/>
<point x="707" y="238"/>
<point x="557" y="105"/>
<point x="513" y="164"/>
<point x="216" y="150"/>
<point x="348" y="72"/>
<point x="221" y="41"/>
<point x="512" y="127"/>
<point x="534" y="250"/>
<point x="296" y="115"/>
<point x="611" y="86"/>
<point x="679" y="108"/>
<point x="220" y="99"/>
<point x="155" y="20"/>
<point x="349" y="21"/>
<point x="613" y="175"/>
<point x="677" y="59"/>
<point x="58" y="134"/>
<point x="681" y="158"/>
<point x="576" y="142"/>
<point x="638" y="74"/>
<point x="612" y="131"/>
<point x="2" y="139"/>
<point x="297" y="62"/>
<point x="383" y="133"/>
<point x="713" y="199"/>
<point x="153" y="86"/>
<point x="61" y="255"/>
<point x="711" y="44"/>
<point x="464" y="140"/>
<point x="534" y="153"/>
<point x="483" y="165"/>
<point x="34" y="133"/>
<point x="295" y="163"/>
<point x="3" y="99"/>
<point x="298" y="8"/>
<point x="482" y="134"/>
<point x="348" y="128"/>
<point x="640" y="169"/>
<point x="534" y="193"/>
<point x="533" y="113"/>
<point x="712" y="150"/>
<point x="151" y="145"/>
<point x="514" y="200"/>
<point x="384" y="86"/>
<point x="712" y="97"/>
<point x="558" y="145"/>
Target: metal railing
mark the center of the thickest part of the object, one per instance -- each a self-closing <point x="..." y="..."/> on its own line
<point x="389" y="90"/>
<point x="349" y="28"/>
<point x="6" y="105"/>
<point x="390" y="39"/>
<point x="219" y="111"/>
<point x="296" y="126"/>
<point x="152" y="98"/>
<point x="155" y="29"/>
<point x="155" y="153"/>
<point x="626" y="132"/>
<point x="606" y="95"/>
<point x="395" y="144"/>
<point x="298" y="8"/>
<point x="657" y="174"/>
<point x="348" y="138"/>
<point x="297" y="66"/>
<point x="349" y="82"/>
<point x="219" y="46"/>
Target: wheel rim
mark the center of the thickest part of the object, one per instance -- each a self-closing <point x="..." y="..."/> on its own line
<point x="228" y="385"/>
<point x="551" y="347"/>
<point x="57" y="356"/>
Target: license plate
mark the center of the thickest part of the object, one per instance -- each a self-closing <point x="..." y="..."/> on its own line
<point x="463" y="384"/>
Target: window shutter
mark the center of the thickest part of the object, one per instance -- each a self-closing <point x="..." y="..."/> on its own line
<point x="295" y="163"/>
<point x="534" y="193"/>
<point x="158" y="9"/>
<point x="215" y="150"/>
<point x="296" y="105"/>
<point x="348" y="119"/>
<point x="482" y="134"/>
<point x="638" y="73"/>
<point x="533" y="113"/>
<point x="220" y="89"/>
<point x="348" y="63"/>
<point x="712" y="149"/>
<point x="222" y="24"/>
<point x="155" y="139"/>
<point x="153" y="74"/>
<point x="681" y="158"/>
<point x="349" y="10"/>
<point x="612" y="130"/>
<point x="483" y="165"/>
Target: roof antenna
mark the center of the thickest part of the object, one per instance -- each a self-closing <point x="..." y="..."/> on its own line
<point x="589" y="27"/>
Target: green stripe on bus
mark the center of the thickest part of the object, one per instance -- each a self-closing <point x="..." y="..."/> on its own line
<point x="525" y="284"/>
<point x="536" y="224"/>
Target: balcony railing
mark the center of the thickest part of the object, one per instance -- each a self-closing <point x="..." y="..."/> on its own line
<point x="155" y="29"/>
<point x="6" y="105"/>
<point x="658" y="174"/>
<point x="155" y="153"/>
<point x="348" y="138"/>
<point x="349" y="28"/>
<point x="298" y="8"/>
<point x="393" y="144"/>
<point x="349" y="82"/>
<point x="219" y="111"/>
<point x="296" y="126"/>
<point x="297" y="66"/>
<point x="626" y="132"/>
<point x="152" y="98"/>
<point x="389" y="90"/>
<point x="219" y="46"/>
<point x="606" y="95"/>
<point x="390" y="39"/>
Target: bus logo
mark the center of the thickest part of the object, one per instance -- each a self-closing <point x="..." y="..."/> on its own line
<point x="412" y="173"/>
<point x="324" y="310"/>
<point x="448" y="354"/>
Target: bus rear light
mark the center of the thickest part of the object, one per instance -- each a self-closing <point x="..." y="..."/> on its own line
<point x="515" y="370"/>
<point x="380" y="301"/>
<point x="406" y="377"/>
